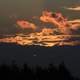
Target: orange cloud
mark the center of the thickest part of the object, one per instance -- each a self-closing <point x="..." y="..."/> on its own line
<point x="47" y="36"/>
<point x="62" y="23"/>
<point x="26" y="25"/>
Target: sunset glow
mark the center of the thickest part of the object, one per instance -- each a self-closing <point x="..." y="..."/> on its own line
<point x="47" y="36"/>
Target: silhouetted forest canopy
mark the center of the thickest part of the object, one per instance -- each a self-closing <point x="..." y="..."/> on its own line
<point x="52" y="72"/>
<point x="26" y="72"/>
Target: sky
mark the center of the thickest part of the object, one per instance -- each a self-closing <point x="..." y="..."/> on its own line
<point x="10" y="10"/>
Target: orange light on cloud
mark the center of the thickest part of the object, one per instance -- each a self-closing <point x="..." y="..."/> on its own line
<point x="47" y="36"/>
<point x="60" y="22"/>
<point x="26" y="25"/>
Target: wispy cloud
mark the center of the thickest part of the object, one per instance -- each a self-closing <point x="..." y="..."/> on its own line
<point x="73" y="8"/>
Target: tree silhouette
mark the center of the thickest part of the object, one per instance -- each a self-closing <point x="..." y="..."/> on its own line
<point x="13" y="72"/>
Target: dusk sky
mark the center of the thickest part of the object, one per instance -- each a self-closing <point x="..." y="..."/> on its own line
<point x="12" y="10"/>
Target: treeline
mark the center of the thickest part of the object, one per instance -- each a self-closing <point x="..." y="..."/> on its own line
<point x="52" y="72"/>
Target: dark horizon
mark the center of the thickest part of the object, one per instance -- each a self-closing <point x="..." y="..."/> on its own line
<point x="34" y="55"/>
<point x="50" y="72"/>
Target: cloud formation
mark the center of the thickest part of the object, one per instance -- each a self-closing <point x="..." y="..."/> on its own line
<point x="63" y="24"/>
<point x="26" y="25"/>
<point x="47" y="36"/>
<point x="73" y="8"/>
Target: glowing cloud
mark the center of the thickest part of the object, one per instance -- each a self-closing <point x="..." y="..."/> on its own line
<point x="75" y="24"/>
<point x="42" y="39"/>
<point x="47" y="36"/>
<point x="26" y="25"/>
<point x="60" y="21"/>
